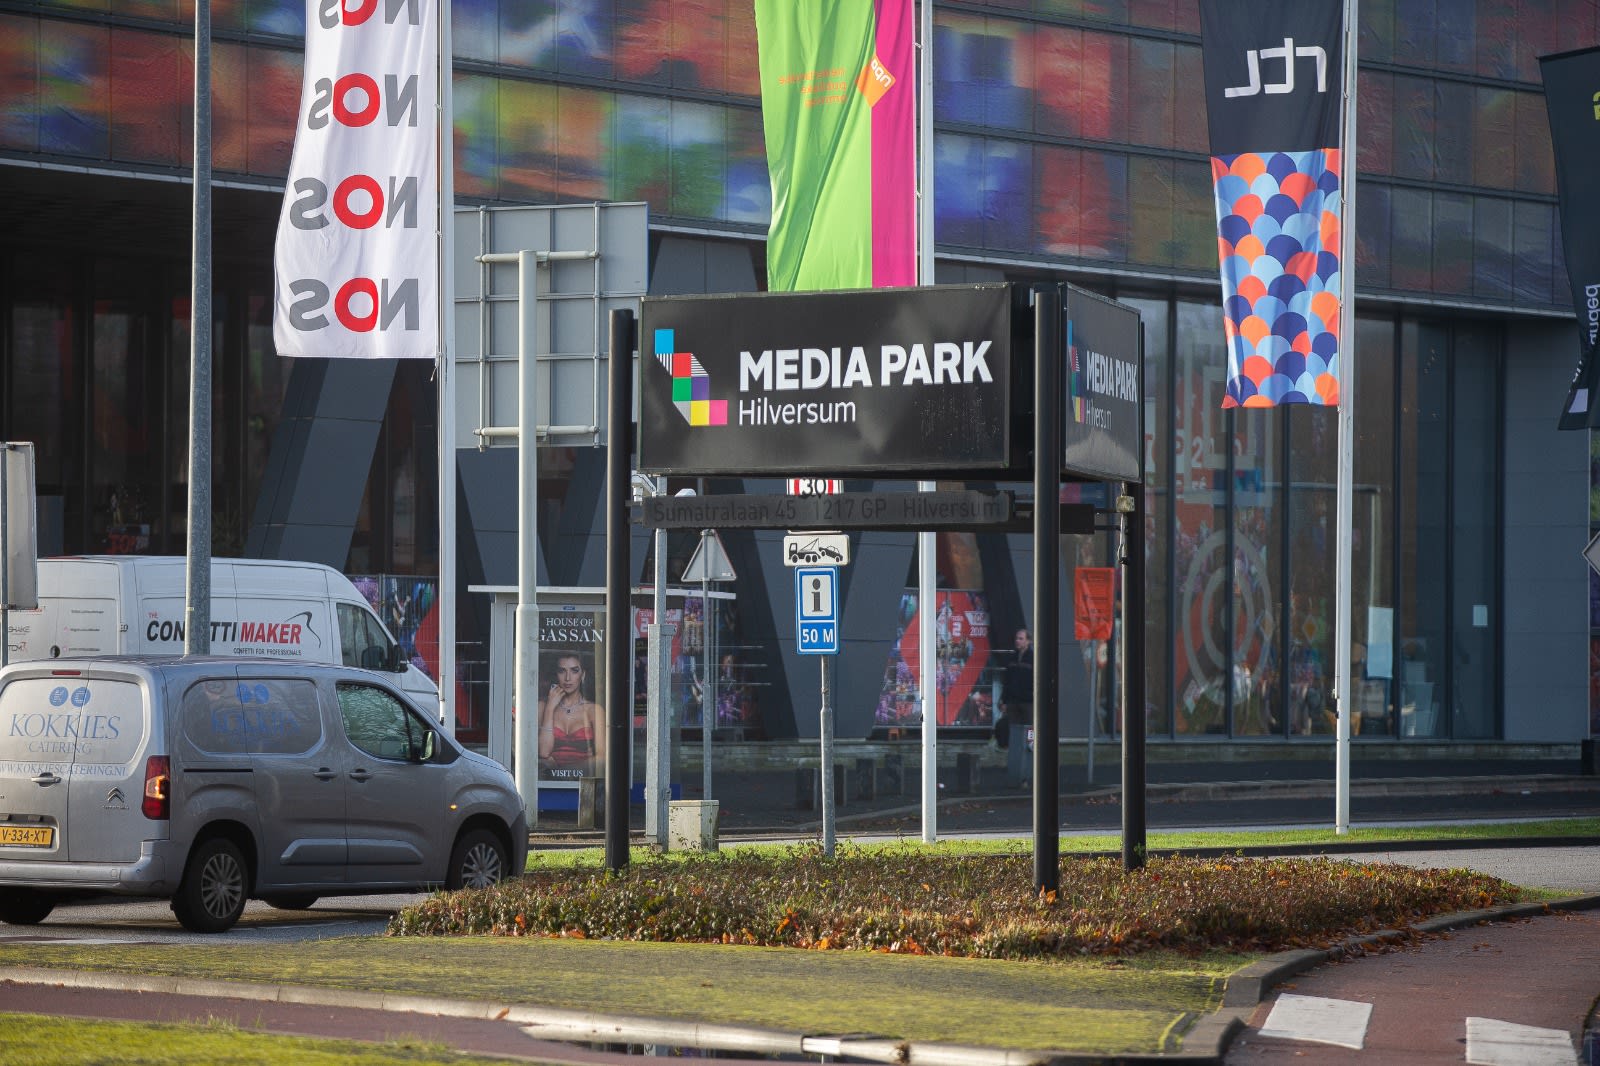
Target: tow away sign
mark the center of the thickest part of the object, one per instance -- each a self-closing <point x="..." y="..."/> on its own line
<point x="816" y="549"/>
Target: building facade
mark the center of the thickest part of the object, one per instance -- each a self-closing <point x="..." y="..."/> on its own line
<point x="1070" y="145"/>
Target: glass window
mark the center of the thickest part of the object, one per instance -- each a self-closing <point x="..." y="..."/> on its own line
<point x="152" y="86"/>
<point x="1152" y="91"/>
<point x="19" y="82"/>
<point x="1494" y="137"/>
<point x="1533" y="255"/>
<point x="380" y="725"/>
<point x="1151" y="210"/>
<point x="267" y="716"/>
<point x="1452" y="244"/>
<point x="1424" y="527"/>
<point x="1313" y="597"/>
<point x="1453" y="144"/>
<point x="362" y="640"/>
<point x="1194" y="224"/>
<point x="1374" y="234"/>
<point x="1492" y="240"/>
<point x="74" y="105"/>
<point x="1201" y="580"/>
<point x="1375" y="122"/>
<point x="1155" y="315"/>
<point x="44" y="401"/>
<point x="126" y="412"/>
<point x="1372" y="529"/>
<point x="1474" y="531"/>
<point x="1257" y="490"/>
<point x="1411" y="236"/>
<point x="1414" y="141"/>
<point x="56" y="721"/>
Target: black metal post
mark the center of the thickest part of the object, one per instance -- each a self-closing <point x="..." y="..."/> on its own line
<point x="1133" y="695"/>
<point x="619" y="641"/>
<point x="1047" y="356"/>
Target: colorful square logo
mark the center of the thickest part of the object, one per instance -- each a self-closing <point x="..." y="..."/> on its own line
<point x="691" y="385"/>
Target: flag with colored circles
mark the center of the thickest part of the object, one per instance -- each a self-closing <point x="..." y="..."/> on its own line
<point x="1273" y="78"/>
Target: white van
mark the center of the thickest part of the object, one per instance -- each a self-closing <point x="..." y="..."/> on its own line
<point x="134" y="605"/>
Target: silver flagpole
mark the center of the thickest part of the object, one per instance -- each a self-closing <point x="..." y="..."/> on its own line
<point x="1342" y="689"/>
<point x="927" y="543"/>
<point x="446" y="603"/>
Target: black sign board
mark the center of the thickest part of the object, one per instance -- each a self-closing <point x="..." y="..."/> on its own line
<point x="959" y="509"/>
<point x="1103" y="410"/>
<point x="876" y="381"/>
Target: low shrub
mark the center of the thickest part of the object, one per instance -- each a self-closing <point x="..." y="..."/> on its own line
<point x="977" y="906"/>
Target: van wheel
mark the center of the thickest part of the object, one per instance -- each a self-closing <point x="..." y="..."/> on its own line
<point x="215" y="883"/>
<point x="291" y="901"/>
<point x="478" y="861"/>
<point x="25" y="906"/>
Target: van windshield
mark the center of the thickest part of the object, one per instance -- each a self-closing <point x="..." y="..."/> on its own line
<point x="59" y="721"/>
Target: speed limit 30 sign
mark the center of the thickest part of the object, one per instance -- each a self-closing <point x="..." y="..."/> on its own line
<point x="815" y="486"/>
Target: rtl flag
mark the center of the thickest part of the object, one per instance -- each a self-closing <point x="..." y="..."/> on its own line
<point x="356" y="264"/>
<point x="1572" y="98"/>
<point x="839" y="110"/>
<point x="1273" y="75"/>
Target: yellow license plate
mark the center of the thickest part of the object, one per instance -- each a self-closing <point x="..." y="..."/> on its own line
<point x="27" y="836"/>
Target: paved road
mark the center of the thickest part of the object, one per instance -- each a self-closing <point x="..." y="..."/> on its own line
<point x="151" y="922"/>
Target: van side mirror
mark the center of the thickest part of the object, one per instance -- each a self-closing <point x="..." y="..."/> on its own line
<point x="427" y="746"/>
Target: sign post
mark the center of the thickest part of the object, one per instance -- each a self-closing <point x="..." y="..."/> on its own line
<point x="816" y="605"/>
<point x="709" y="563"/>
<point x="1094" y="600"/>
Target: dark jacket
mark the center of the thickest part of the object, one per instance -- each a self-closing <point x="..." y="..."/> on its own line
<point x="1017" y="688"/>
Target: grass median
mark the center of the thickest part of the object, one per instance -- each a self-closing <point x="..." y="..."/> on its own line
<point x="1112" y="964"/>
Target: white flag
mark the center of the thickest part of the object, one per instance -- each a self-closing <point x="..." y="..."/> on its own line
<point x="356" y="265"/>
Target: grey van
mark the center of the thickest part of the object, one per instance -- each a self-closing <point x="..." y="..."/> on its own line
<point x="216" y="780"/>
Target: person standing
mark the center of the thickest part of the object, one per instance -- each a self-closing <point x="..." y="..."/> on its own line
<point x="1016" y="699"/>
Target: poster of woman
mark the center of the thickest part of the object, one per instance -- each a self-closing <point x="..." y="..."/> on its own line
<point x="572" y="716"/>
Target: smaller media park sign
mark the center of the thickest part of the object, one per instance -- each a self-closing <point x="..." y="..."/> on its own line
<point x="1102" y="419"/>
<point x="873" y="381"/>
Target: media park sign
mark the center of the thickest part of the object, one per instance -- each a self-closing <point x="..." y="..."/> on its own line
<point x="932" y="381"/>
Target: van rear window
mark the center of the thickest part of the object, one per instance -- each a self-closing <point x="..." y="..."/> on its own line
<point x="252" y="716"/>
<point x="59" y="721"/>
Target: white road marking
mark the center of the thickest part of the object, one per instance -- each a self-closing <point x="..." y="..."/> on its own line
<point x="1340" y="1022"/>
<point x="1497" y="1043"/>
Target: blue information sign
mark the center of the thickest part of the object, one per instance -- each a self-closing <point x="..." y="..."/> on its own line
<point x="816" y="610"/>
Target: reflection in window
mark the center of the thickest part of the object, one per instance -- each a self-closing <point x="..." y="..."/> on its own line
<point x="1201" y="578"/>
<point x="261" y="716"/>
<point x="378" y="723"/>
<point x="1155" y="316"/>
<point x="361" y="639"/>
<point x="1257" y="538"/>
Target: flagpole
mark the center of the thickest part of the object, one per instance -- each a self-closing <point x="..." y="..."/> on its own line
<point x="1342" y="687"/>
<point x="446" y="602"/>
<point x="927" y="543"/>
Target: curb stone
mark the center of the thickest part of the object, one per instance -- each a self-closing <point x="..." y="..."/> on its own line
<point x="1209" y="1037"/>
